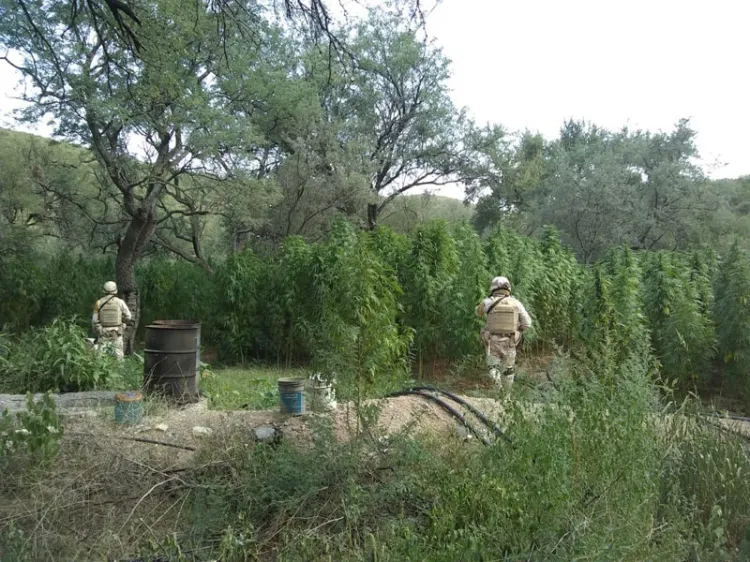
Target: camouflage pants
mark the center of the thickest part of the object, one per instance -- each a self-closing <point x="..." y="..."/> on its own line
<point x="110" y="341"/>
<point x="501" y="359"/>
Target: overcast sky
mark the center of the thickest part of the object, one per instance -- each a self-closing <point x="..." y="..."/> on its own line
<point x="641" y="63"/>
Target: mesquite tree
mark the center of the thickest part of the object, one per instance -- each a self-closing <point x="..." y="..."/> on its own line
<point x="149" y="118"/>
<point x="600" y="188"/>
<point x="397" y="107"/>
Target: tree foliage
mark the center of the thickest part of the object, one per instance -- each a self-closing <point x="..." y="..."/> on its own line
<point x="602" y="188"/>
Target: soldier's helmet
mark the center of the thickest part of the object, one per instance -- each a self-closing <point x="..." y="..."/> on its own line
<point x="110" y="287"/>
<point x="499" y="283"/>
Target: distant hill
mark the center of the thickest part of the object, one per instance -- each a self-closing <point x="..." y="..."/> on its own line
<point x="21" y="137"/>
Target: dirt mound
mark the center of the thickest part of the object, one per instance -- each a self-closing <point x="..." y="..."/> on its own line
<point x="190" y="427"/>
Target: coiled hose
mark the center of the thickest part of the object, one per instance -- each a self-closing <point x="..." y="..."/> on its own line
<point x="424" y="392"/>
<point x="486" y="421"/>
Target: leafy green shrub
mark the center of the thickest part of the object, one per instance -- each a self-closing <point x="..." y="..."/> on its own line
<point x="732" y="313"/>
<point x="432" y="263"/>
<point x="126" y="374"/>
<point x="553" y="289"/>
<point x="580" y="481"/>
<point x="460" y="334"/>
<point x="631" y="329"/>
<point x="176" y="290"/>
<point x="352" y="315"/>
<point x="597" y="315"/>
<point x="55" y="357"/>
<point x="35" y="290"/>
<point x="287" y="307"/>
<point x="72" y="286"/>
<point x="21" y="292"/>
<point x="703" y="270"/>
<point x="393" y="250"/>
<point x="682" y="330"/>
<point x="267" y="307"/>
<point x="32" y="435"/>
<point x="236" y="319"/>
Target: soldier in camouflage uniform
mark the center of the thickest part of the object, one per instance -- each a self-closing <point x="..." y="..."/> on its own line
<point x="501" y="347"/>
<point x="109" y="318"/>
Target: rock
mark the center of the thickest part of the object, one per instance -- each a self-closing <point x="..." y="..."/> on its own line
<point x="162" y="427"/>
<point x="200" y="406"/>
<point x="200" y="431"/>
<point x="266" y="433"/>
<point x="462" y="432"/>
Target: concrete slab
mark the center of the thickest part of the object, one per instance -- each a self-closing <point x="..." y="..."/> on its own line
<point x="66" y="400"/>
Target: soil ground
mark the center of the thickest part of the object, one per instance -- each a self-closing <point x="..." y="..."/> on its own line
<point x="178" y="426"/>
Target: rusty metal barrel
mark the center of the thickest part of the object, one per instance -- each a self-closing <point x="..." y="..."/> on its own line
<point x="171" y="359"/>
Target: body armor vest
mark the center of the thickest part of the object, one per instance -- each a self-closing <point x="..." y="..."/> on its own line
<point x="110" y="314"/>
<point x="502" y="320"/>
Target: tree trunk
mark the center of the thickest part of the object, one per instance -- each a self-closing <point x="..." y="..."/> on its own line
<point x="139" y="233"/>
<point x="372" y="216"/>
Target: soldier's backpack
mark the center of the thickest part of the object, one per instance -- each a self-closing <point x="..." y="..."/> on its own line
<point x="502" y="318"/>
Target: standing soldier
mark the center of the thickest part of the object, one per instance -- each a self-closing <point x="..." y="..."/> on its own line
<point x="109" y="318"/>
<point x="506" y="320"/>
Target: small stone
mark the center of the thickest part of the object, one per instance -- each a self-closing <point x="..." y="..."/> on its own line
<point x="265" y="433"/>
<point x="200" y="431"/>
<point x="161" y="427"/>
<point x="462" y="432"/>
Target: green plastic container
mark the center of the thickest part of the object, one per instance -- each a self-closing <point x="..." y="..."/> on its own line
<point x="128" y="407"/>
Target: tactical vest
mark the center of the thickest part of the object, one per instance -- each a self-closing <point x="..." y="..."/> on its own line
<point x="502" y="320"/>
<point x="110" y="314"/>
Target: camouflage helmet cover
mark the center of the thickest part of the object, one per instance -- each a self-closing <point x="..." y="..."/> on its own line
<point x="500" y="283"/>
<point x="110" y="287"/>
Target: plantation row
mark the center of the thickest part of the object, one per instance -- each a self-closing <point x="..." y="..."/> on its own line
<point x="366" y="303"/>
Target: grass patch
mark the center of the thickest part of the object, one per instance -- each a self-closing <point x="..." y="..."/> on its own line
<point x="256" y="388"/>
<point x="252" y="388"/>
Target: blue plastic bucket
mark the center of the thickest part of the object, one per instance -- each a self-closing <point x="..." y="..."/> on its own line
<point x="292" y="396"/>
<point x="128" y="407"/>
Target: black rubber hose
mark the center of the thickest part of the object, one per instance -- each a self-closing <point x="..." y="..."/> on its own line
<point x="727" y="429"/>
<point x="731" y="417"/>
<point x="719" y="416"/>
<point x="486" y="421"/>
<point x="447" y="407"/>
